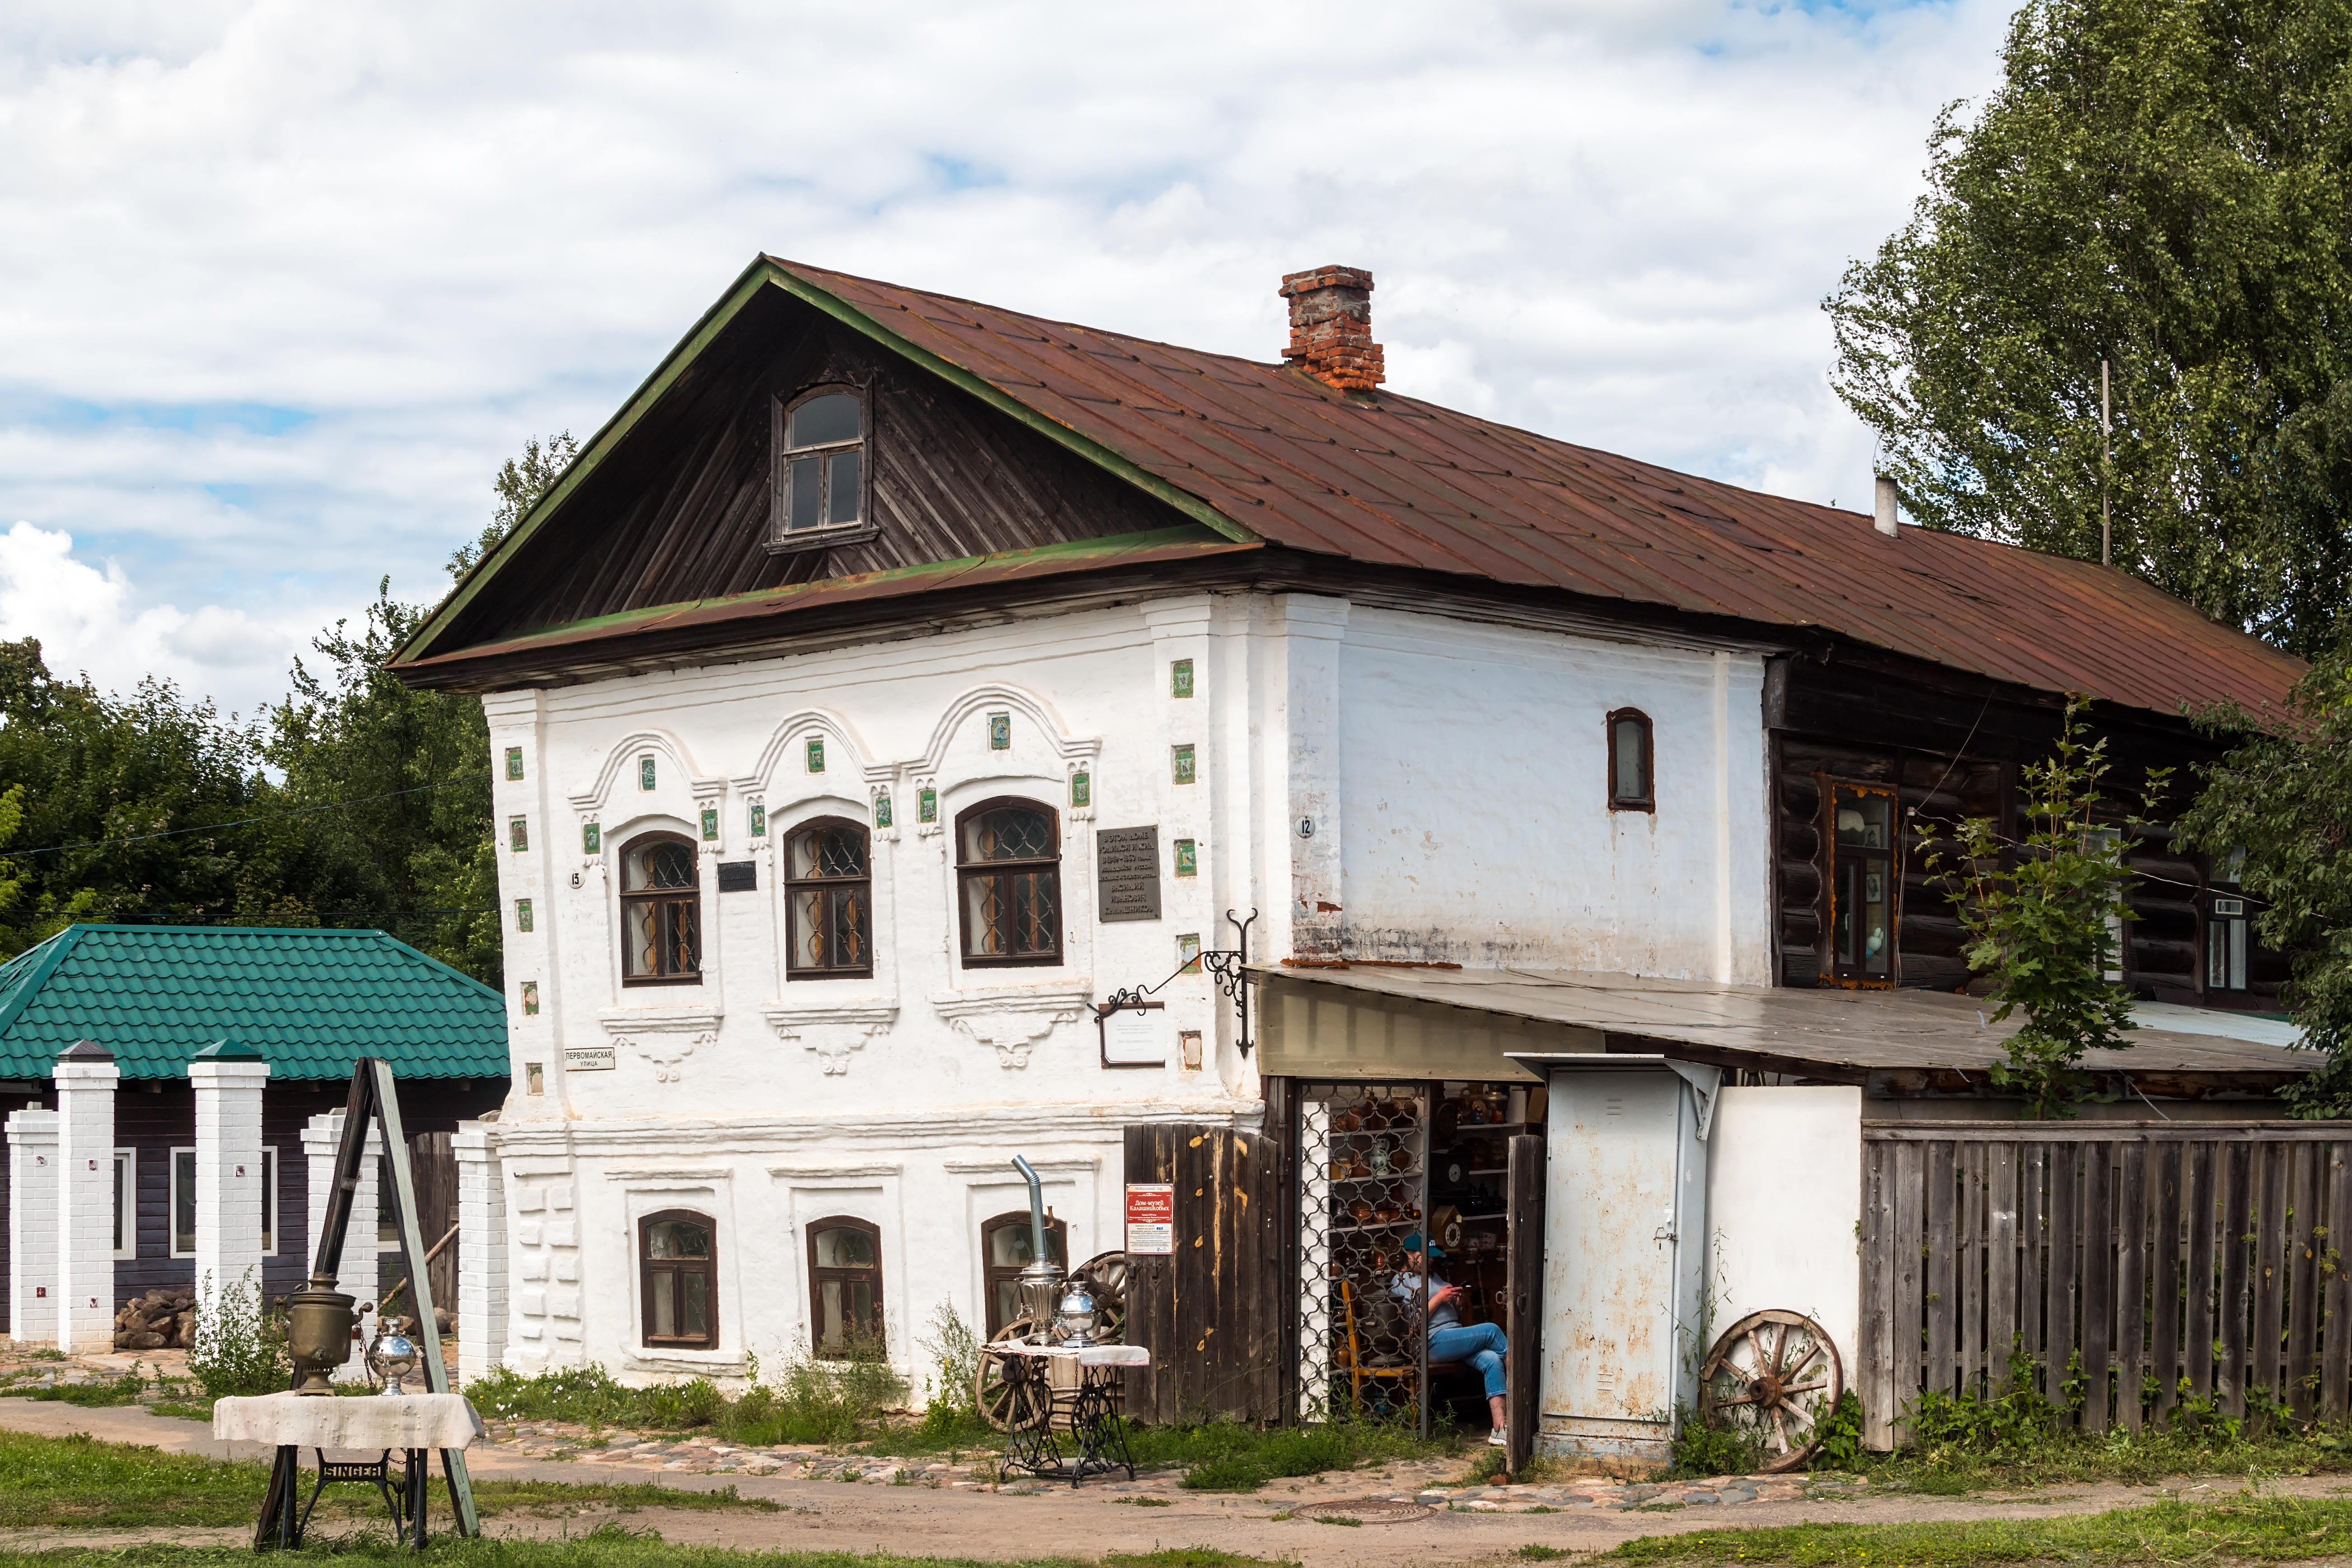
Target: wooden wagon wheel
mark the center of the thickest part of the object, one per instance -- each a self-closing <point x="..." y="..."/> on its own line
<point x="1104" y="1277"/>
<point x="1775" y="1377"/>
<point x="991" y="1394"/>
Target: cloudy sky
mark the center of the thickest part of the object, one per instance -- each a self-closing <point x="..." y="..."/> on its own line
<point x="282" y="283"/>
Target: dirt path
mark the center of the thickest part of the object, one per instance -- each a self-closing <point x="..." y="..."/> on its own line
<point x="927" y="1521"/>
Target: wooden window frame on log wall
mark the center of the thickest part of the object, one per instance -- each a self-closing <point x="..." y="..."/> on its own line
<point x="1892" y="851"/>
<point x="779" y="540"/>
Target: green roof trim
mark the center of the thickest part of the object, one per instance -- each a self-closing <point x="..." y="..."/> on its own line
<point x="766" y="271"/>
<point x="309" y="1002"/>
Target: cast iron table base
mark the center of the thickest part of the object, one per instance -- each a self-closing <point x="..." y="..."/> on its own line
<point x="406" y="1507"/>
<point x="1095" y="1423"/>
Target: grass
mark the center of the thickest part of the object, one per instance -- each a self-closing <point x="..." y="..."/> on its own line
<point x="2250" y="1529"/>
<point x="1227" y="1457"/>
<point x="812" y="1401"/>
<point x="610" y="1546"/>
<point x="78" y="1482"/>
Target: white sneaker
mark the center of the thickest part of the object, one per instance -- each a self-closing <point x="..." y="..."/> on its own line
<point x="1499" y="1439"/>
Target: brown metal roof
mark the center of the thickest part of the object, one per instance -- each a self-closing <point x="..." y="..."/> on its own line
<point x="1390" y="480"/>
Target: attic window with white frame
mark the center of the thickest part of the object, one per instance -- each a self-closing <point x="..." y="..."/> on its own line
<point x="820" y="471"/>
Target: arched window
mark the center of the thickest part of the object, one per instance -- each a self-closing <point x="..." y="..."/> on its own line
<point x="1005" y="1245"/>
<point x="1009" y="876"/>
<point x="820" y="472"/>
<point x="828" y="897"/>
<point x="677" y="1271"/>
<point x="1632" y="785"/>
<point x="846" y="1286"/>
<point x="661" y="912"/>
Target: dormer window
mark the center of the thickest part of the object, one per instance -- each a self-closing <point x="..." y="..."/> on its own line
<point x="820" y="476"/>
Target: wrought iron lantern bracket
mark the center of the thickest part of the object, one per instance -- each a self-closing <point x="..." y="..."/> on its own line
<point x="1226" y="965"/>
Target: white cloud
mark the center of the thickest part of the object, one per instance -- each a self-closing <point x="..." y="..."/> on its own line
<point x="281" y="283"/>
<point x="84" y="618"/>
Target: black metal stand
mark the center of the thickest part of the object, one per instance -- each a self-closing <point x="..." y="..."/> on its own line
<point x="1095" y="1423"/>
<point x="406" y="1508"/>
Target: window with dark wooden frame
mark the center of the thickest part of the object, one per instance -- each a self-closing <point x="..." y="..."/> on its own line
<point x="1009" y="883"/>
<point x="2227" y="938"/>
<point x="1004" y="1249"/>
<point x="821" y="470"/>
<point x="828" y="900"/>
<point x="846" y="1286"/>
<point x="678" y="1269"/>
<point x="1858" y="838"/>
<point x="661" y="912"/>
<point x="1633" y="785"/>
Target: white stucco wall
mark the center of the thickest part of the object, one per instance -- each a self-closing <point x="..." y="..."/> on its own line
<point x="1475" y="775"/>
<point x="768" y="1104"/>
<point x="1784" y="1202"/>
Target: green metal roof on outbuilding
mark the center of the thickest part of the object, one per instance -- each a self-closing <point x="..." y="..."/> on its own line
<point x="311" y="1001"/>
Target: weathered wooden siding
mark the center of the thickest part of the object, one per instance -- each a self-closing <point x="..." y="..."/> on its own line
<point x="2120" y="1263"/>
<point x="1210" y="1313"/>
<point x="680" y="511"/>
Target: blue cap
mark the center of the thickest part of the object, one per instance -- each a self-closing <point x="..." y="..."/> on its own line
<point x="1413" y="1242"/>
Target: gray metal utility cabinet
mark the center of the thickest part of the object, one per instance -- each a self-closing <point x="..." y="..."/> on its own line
<point x="1624" y="1249"/>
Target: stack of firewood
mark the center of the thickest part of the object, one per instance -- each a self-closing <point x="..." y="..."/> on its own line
<point x="160" y="1320"/>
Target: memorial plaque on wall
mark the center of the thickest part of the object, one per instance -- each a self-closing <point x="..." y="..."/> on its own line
<point x="1126" y="874"/>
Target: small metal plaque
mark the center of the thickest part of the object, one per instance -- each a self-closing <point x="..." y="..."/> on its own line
<point x="588" y="1058"/>
<point x="1126" y="874"/>
<point x="738" y="876"/>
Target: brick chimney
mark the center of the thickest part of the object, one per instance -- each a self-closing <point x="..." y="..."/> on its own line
<point x="1331" y="327"/>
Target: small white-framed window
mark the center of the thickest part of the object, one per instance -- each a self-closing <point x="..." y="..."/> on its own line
<point x="126" y="1202"/>
<point x="2097" y="840"/>
<point x="269" y="1203"/>
<point x="183" y="1202"/>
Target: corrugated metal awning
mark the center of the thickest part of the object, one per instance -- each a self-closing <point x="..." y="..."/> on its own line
<point x="1891" y="1039"/>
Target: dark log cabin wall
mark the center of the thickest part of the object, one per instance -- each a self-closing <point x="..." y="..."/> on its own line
<point x="680" y="511"/>
<point x="1950" y="748"/>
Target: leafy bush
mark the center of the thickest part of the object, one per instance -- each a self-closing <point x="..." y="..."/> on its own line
<point x="1703" y="1450"/>
<point x="1841" y="1436"/>
<point x="954" y="1350"/>
<point x="816" y="1401"/>
<point x="241" y="1348"/>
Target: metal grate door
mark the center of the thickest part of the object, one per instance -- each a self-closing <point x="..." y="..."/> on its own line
<point x="1363" y="1186"/>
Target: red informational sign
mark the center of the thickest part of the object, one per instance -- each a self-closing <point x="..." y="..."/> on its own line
<point x="1150" y="1218"/>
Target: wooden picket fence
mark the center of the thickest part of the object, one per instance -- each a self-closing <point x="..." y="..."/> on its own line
<point x="2153" y="1261"/>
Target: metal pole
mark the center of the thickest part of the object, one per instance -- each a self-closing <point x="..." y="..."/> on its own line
<point x="2106" y="460"/>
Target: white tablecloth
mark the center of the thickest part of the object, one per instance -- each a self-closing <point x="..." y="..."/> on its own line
<point x="372" y="1421"/>
<point x="1086" y="1355"/>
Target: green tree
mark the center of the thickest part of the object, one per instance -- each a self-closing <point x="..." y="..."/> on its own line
<point x="2284" y="795"/>
<point x="521" y="482"/>
<point x="2161" y="184"/>
<point x="2040" y="915"/>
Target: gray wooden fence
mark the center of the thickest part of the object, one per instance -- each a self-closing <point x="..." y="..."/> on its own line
<point x="2154" y="1261"/>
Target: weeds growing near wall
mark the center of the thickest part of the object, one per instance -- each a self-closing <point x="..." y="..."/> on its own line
<point x="812" y="1400"/>
<point x="240" y="1346"/>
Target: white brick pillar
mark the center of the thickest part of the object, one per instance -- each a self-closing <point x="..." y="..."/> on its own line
<point x="33" y="1226"/>
<point x="228" y="1080"/>
<point x="481" y="1303"/>
<point x="86" y="1076"/>
<point x="358" y="1275"/>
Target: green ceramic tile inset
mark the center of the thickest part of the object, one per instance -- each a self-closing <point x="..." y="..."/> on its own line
<point x="758" y="819"/>
<point x="518" y="834"/>
<point x="816" y="755"/>
<point x="531" y="998"/>
<point x="927" y="805"/>
<point x="1179" y="679"/>
<point x="644" y="773"/>
<point x="1082" y="789"/>
<point x="1188" y="858"/>
<point x="1184" y="764"/>
<point x="522" y="914"/>
<point x="709" y="821"/>
<point x="999" y="732"/>
<point x="514" y="762"/>
<point x="1188" y="953"/>
<point x="591" y="837"/>
<point x="882" y="810"/>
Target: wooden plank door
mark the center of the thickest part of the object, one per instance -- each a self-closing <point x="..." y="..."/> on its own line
<point x="1524" y="1185"/>
<point x="1210" y="1312"/>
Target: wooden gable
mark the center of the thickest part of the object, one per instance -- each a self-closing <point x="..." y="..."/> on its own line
<point x="679" y="509"/>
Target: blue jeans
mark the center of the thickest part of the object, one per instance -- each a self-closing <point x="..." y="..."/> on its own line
<point x="1483" y="1345"/>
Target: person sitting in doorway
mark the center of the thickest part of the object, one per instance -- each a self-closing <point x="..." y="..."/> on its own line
<point x="1483" y="1345"/>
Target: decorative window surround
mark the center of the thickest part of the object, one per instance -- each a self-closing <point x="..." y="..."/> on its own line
<point x="702" y="1175"/>
<point x="619" y="773"/>
<point x="1012" y="1019"/>
<point x="832" y="1031"/>
<point x="1073" y="1167"/>
<point x="833" y="1176"/>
